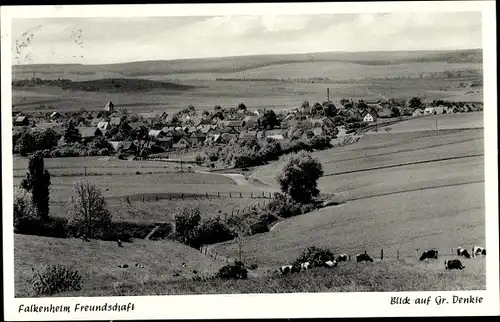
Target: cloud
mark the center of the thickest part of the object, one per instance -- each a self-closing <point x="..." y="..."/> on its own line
<point x="108" y="40"/>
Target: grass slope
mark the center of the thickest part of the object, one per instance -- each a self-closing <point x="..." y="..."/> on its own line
<point x="98" y="261"/>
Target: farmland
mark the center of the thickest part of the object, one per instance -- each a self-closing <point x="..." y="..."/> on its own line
<point x="357" y="76"/>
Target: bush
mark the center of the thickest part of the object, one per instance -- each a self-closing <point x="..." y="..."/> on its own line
<point x="234" y="271"/>
<point x="211" y="231"/>
<point x="282" y="205"/>
<point x="258" y="227"/>
<point x="308" y="207"/>
<point x="54" y="279"/>
<point x="314" y="255"/>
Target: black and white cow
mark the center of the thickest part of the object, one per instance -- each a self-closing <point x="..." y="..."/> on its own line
<point x="363" y="258"/>
<point x="305" y="266"/>
<point x="123" y="266"/>
<point x="463" y="252"/>
<point x="287" y="269"/>
<point x="431" y="253"/>
<point x="342" y="258"/>
<point x="330" y="263"/>
<point x="453" y="264"/>
<point x="477" y="250"/>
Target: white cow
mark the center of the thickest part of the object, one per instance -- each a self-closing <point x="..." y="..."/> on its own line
<point x="331" y="263"/>
<point x="305" y="265"/>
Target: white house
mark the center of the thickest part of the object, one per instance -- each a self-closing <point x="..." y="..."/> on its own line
<point x="429" y="110"/>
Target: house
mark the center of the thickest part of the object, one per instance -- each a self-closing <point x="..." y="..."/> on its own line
<point x="259" y="112"/>
<point x="418" y="112"/>
<point x="231" y="123"/>
<point x="182" y="143"/>
<point x="116" y="144"/>
<point x="103" y="126"/>
<point x="21" y="121"/>
<point x="95" y="121"/>
<point x="128" y="146"/>
<point x="318" y="131"/>
<point x="441" y="109"/>
<point x="250" y="121"/>
<point x="369" y="116"/>
<point x="56" y="127"/>
<point x="96" y="114"/>
<point x="110" y="107"/>
<point x="197" y="137"/>
<point x="156" y="134"/>
<point x="115" y="121"/>
<point x="175" y="135"/>
<point x="136" y="125"/>
<point x="384" y="112"/>
<point x="277" y="137"/>
<point x="247" y="135"/>
<point x="339" y="105"/>
<point x="165" y="142"/>
<point x="89" y="133"/>
<point x="324" y="121"/>
<point x="429" y="110"/>
<point x="55" y="116"/>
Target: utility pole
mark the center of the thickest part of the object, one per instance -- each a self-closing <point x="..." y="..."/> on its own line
<point x="327" y="94"/>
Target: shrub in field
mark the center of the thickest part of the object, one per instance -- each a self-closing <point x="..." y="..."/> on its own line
<point x="89" y="211"/>
<point x="314" y="255"/>
<point x="282" y="205"/>
<point x="258" y="227"/>
<point x="23" y="207"/>
<point x="299" y="177"/>
<point x="56" y="278"/>
<point x="187" y="221"/>
<point x="308" y="207"/>
<point x="233" y="271"/>
<point x="213" y="230"/>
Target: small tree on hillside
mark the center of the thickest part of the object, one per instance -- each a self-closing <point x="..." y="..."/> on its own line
<point x="242" y="106"/>
<point x="37" y="182"/>
<point x="187" y="221"/>
<point x="299" y="177"/>
<point x="88" y="208"/>
<point x="414" y="102"/>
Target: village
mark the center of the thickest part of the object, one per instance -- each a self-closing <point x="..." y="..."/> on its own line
<point x="113" y="130"/>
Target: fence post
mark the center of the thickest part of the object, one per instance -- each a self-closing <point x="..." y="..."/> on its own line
<point x="230" y="195"/>
<point x="206" y="194"/>
<point x="381" y="254"/>
<point x="218" y="194"/>
<point x="182" y="195"/>
<point x="169" y="197"/>
<point x="238" y="211"/>
<point x="269" y="195"/>
<point x="263" y="194"/>
<point x="156" y="198"/>
<point x="251" y="195"/>
<point x="349" y="256"/>
<point x="417" y="251"/>
<point x="142" y="198"/>
<point x="241" y="195"/>
<point x="397" y="254"/>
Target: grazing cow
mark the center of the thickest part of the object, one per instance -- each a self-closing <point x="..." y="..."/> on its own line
<point x="305" y="265"/>
<point x="123" y="266"/>
<point x="139" y="265"/>
<point x="342" y="258"/>
<point x="432" y="253"/>
<point x="453" y="264"/>
<point x="330" y="263"/>
<point x="183" y="264"/>
<point x="363" y="258"/>
<point x="476" y="250"/>
<point x="463" y="252"/>
<point x="285" y="269"/>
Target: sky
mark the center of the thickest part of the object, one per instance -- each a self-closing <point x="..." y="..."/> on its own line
<point x="116" y="40"/>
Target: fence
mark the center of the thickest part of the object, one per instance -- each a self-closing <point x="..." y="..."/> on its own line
<point x="196" y="196"/>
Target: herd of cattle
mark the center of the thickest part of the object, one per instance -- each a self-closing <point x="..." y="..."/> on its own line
<point x="429" y="254"/>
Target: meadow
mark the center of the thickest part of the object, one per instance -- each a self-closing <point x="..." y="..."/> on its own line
<point x="97" y="261"/>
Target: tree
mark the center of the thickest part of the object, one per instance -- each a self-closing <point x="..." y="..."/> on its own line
<point x="362" y="105"/>
<point x="299" y="177"/>
<point x="241" y="107"/>
<point x="37" y="182"/>
<point x="269" y="120"/>
<point x="187" y="221"/>
<point x="205" y="113"/>
<point x="88" y="208"/>
<point x="329" y="109"/>
<point x="414" y="102"/>
<point x="71" y="134"/>
<point x="217" y="108"/>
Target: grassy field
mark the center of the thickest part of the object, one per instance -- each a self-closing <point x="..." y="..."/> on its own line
<point x="98" y="261"/>
<point x="385" y="276"/>
<point x="444" y="122"/>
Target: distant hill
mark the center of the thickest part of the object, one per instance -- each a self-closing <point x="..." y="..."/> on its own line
<point x="104" y="85"/>
<point x="239" y="63"/>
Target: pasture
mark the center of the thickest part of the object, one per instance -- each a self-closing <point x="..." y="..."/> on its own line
<point x="390" y="200"/>
<point x="97" y="261"/>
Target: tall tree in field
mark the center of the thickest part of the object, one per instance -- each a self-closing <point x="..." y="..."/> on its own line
<point x="37" y="181"/>
<point x="88" y="208"/>
<point x="71" y="134"/>
<point x="299" y="177"/>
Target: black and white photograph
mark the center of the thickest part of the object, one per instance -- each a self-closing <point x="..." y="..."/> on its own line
<point x="246" y="152"/>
